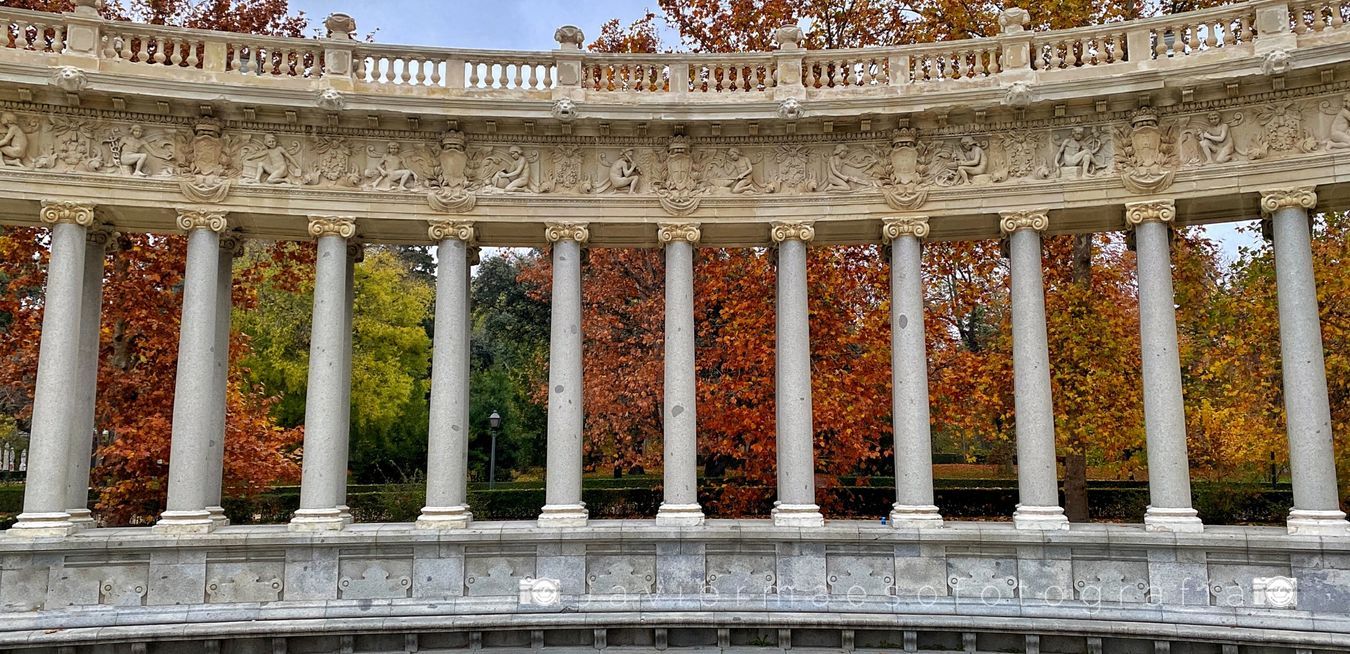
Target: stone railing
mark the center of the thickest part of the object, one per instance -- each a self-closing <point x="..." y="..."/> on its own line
<point x="395" y="71"/>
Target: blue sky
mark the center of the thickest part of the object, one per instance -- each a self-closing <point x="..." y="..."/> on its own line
<point x="523" y="25"/>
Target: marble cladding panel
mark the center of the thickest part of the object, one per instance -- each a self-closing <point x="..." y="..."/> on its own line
<point x="497" y="570"/>
<point x="627" y="569"/>
<point x="741" y="569"/>
<point x="90" y="579"/>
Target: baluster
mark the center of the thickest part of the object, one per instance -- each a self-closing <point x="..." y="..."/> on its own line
<point x="518" y="80"/>
<point x="1055" y="59"/>
<point x="29" y="41"/>
<point x="655" y="82"/>
<point x="1210" y="41"/>
<point x="1179" y="43"/>
<point x="1337" y="19"/>
<point x="194" y="58"/>
<point x="1318" y="21"/>
<point x="58" y="38"/>
<point x="158" y="56"/>
<point x="808" y="74"/>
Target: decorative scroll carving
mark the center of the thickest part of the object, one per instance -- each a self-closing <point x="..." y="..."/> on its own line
<point x="1163" y="211"/>
<point x="794" y="175"/>
<point x="1303" y="197"/>
<point x="792" y="231"/>
<point x="1284" y="132"/>
<point x="555" y="232"/>
<point x="72" y="147"/>
<point x="320" y="226"/>
<point x="232" y="243"/>
<point x="1011" y="221"/>
<point x="79" y="213"/>
<point x="893" y="228"/>
<point x="1147" y="158"/>
<point x="672" y="232"/>
<point x="440" y="230"/>
<point x="190" y="219"/>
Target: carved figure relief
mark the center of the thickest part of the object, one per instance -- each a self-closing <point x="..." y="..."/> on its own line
<point x="390" y="173"/>
<point x="1021" y="148"/>
<point x="14" y="144"/>
<point x="733" y="171"/>
<point x="134" y="151"/>
<point x="969" y="164"/>
<point x="1210" y="142"/>
<point x="1339" y="136"/>
<point x="515" y="172"/>
<point x="846" y="170"/>
<point x="270" y="163"/>
<point x="1147" y="158"/>
<point x="72" y="147"/>
<point x="622" y="174"/>
<point x="1080" y="154"/>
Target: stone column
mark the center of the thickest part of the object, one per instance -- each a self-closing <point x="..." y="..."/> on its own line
<point x="82" y="432"/>
<point x="45" y="497"/>
<point x="796" y="505"/>
<point x="1307" y="411"/>
<point x="679" y="507"/>
<point x="563" y="506"/>
<point x="231" y="246"/>
<point x="325" y="418"/>
<point x="196" y="384"/>
<point x="356" y="253"/>
<point x="1038" y="490"/>
<point x="1169" y="472"/>
<point x="909" y="374"/>
<point x="448" y="429"/>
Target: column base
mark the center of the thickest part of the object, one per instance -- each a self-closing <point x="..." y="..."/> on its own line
<point x="679" y="515"/>
<point x="1308" y="522"/>
<point x="1050" y="518"/>
<point x="1180" y="520"/>
<point x="43" y="525"/>
<point x="922" y="516"/>
<point x="346" y="513"/>
<point x="797" y="515"/>
<point x="444" y="517"/>
<point x="185" y="522"/>
<point x="218" y="516"/>
<point x="82" y="519"/>
<point x="563" y="515"/>
<point x="317" y="520"/>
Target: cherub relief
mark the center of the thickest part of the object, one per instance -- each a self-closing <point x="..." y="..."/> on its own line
<point x="515" y="174"/>
<point x="272" y="163"/>
<point x="134" y="150"/>
<point x="390" y="172"/>
<point x="14" y="143"/>
<point x="1339" y="137"/>
<point x="623" y="173"/>
<point x="1078" y="152"/>
<point x="842" y="169"/>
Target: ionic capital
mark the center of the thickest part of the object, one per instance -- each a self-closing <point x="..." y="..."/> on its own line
<point x="320" y="226"/>
<point x="440" y="230"/>
<point x="356" y="252"/>
<point x="793" y="230"/>
<point x="555" y="232"/>
<point x="682" y="232"/>
<point x="64" y="211"/>
<point x="1161" y="211"/>
<point x="232" y="243"/>
<point x="1301" y="197"/>
<point x="100" y="235"/>
<point x="893" y="228"/>
<point x="190" y="219"/>
<point x="1011" y="221"/>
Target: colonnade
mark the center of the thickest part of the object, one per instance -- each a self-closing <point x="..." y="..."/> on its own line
<point x="55" y="501"/>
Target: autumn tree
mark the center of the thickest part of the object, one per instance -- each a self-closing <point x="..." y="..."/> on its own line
<point x="141" y="312"/>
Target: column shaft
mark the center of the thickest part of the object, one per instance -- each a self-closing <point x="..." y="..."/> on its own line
<point x="795" y="429"/>
<point x="224" y="306"/>
<point x="194" y="387"/>
<point x="448" y="428"/>
<point x="82" y="433"/>
<point x="1169" y="474"/>
<point x="563" y="505"/>
<point x="1038" y="493"/>
<point x="325" y="417"/>
<point x="680" y="505"/>
<point x="1312" y="464"/>
<point x="45" y="497"/>
<point x="355" y="254"/>
<point x="909" y="372"/>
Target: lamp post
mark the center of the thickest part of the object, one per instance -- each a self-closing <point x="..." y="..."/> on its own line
<point x="495" y="422"/>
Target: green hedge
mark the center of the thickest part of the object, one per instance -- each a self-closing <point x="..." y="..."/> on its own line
<point x="11" y="498"/>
